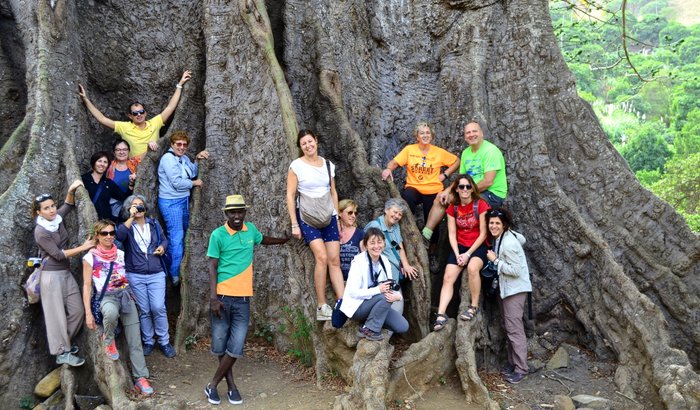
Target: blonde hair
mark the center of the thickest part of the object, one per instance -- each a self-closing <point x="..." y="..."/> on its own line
<point x="422" y="124"/>
<point x="100" y="225"/>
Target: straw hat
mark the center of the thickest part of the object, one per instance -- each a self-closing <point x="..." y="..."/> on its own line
<point x="235" y="202"/>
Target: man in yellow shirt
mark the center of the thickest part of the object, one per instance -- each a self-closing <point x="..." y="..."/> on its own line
<point x="139" y="133"/>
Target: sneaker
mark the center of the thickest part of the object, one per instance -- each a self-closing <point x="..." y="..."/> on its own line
<point x="324" y="312"/>
<point x="176" y="280"/>
<point x="515" y="377"/>
<point x="234" y="397"/>
<point x="507" y="370"/>
<point x="147" y="349"/>
<point x="74" y="349"/>
<point x="212" y="395"/>
<point x="370" y="334"/>
<point x="168" y="350"/>
<point x="111" y="350"/>
<point x="143" y="386"/>
<point x="69" y="359"/>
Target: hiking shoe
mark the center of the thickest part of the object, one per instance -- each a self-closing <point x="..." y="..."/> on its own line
<point x="168" y="350"/>
<point x="148" y="349"/>
<point x="507" y="370"/>
<point x="515" y="377"/>
<point x="212" y="395"/>
<point x="370" y="334"/>
<point x="234" y="397"/>
<point x="324" y="312"/>
<point x="69" y="359"/>
<point x="111" y="350"/>
<point x="143" y="386"/>
<point x="74" y="349"/>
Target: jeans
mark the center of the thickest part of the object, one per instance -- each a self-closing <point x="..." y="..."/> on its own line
<point x="493" y="200"/>
<point x="112" y="312"/>
<point x="377" y="313"/>
<point x="149" y="290"/>
<point x="228" y="333"/>
<point x="177" y="218"/>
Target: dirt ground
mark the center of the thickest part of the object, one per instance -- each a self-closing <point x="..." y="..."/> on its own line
<point x="271" y="380"/>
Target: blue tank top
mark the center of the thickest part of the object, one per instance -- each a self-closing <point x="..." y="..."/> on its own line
<point x="348" y="250"/>
<point x="121" y="178"/>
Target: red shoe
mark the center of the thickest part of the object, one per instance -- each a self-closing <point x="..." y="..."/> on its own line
<point x="111" y="350"/>
<point x="143" y="386"/>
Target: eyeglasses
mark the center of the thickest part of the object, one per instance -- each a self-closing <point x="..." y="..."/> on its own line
<point x="107" y="233"/>
<point x="464" y="186"/>
<point x="42" y="198"/>
<point x="495" y="212"/>
<point x="181" y="144"/>
<point x="139" y="112"/>
<point x="121" y="150"/>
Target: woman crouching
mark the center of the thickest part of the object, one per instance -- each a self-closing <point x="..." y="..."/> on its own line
<point x="369" y="292"/>
<point x="103" y="267"/>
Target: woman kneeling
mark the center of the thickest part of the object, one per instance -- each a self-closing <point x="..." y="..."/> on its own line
<point x="103" y="267"/>
<point x="369" y="292"/>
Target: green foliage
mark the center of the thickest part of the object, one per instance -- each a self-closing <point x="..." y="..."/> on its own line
<point x="687" y="142"/>
<point x="679" y="187"/>
<point x="301" y="328"/>
<point x="647" y="150"/>
<point x="191" y="341"/>
<point x="264" y="331"/>
<point x="26" y="402"/>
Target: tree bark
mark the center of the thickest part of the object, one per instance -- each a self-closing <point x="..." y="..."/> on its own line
<point x="361" y="74"/>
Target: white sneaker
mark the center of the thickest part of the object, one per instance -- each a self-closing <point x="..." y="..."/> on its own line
<point x="324" y="312"/>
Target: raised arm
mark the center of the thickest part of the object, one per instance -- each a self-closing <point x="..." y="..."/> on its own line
<point x="172" y="104"/>
<point x="101" y="118"/>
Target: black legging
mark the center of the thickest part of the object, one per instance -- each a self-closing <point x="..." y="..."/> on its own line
<point x="413" y="198"/>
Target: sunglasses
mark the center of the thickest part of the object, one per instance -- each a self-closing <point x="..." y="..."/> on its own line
<point x="352" y="212"/>
<point x="464" y="186"/>
<point x="107" y="233"/>
<point x="42" y="198"/>
<point x="139" y="112"/>
<point x="495" y="212"/>
<point x="181" y="144"/>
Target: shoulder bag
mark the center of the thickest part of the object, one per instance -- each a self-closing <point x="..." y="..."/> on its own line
<point x="317" y="212"/>
<point x="95" y="301"/>
<point x="32" y="285"/>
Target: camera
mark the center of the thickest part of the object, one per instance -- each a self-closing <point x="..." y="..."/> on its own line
<point x="34" y="262"/>
<point x="393" y="285"/>
<point x="140" y="208"/>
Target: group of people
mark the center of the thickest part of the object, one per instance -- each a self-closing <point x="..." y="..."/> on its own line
<point x="125" y="266"/>
<point x="367" y="273"/>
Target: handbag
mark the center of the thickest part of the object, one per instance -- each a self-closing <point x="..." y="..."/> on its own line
<point x="96" y="301"/>
<point x="32" y="285"/>
<point x="317" y="212"/>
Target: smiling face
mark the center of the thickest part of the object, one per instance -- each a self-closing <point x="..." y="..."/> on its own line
<point x="464" y="190"/>
<point x="473" y="134"/>
<point x="235" y="218"/>
<point x="121" y="152"/>
<point x="101" y="165"/>
<point x="424" y="136"/>
<point x="348" y="216"/>
<point x="308" y="145"/>
<point x="179" y="147"/>
<point x="392" y="216"/>
<point x="375" y="246"/>
<point x="496" y="226"/>
<point x="137" y="114"/>
<point x="105" y="236"/>
<point x="47" y="210"/>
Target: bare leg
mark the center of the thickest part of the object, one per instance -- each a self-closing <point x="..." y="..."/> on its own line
<point x="333" y="254"/>
<point x="473" y="268"/>
<point x="451" y="274"/>
<point x="226" y="363"/>
<point x="321" y="258"/>
<point x="437" y="212"/>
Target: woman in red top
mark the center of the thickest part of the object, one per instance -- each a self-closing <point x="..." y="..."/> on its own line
<point x="466" y="225"/>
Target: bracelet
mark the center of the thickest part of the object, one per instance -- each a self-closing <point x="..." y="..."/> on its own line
<point x="445" y="174"/>
<point x="178" y="86"/>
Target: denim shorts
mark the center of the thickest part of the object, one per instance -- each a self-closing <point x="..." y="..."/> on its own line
<point x="228" y="333"/>
<point x="329" y="234"/>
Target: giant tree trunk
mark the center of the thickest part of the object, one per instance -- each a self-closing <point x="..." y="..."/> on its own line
<point x="361" y="74"/>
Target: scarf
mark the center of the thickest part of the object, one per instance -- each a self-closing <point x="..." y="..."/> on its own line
<point x="51" y="226"/>
<point x="131" y="165"/>
<point x="104" y="253"/>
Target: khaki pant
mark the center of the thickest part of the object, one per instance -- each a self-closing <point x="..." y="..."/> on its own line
<point x="63" y="309"/>
<point x="111" y="313"/>
<point x="512" y="309"/>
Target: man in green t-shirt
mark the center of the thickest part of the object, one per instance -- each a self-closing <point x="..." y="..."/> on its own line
<point x="141" y="134"/>
<point x="486" y="165"/>
<point x="230" y="255"/>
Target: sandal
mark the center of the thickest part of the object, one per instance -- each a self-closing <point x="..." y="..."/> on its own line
<point x="469" y="313"/>
<point x="440" y="322"/>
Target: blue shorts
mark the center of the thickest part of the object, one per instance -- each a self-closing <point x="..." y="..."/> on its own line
<point x="329" y="234"/>
<point x="480" y="252"/>
<point x="228" y="333"/>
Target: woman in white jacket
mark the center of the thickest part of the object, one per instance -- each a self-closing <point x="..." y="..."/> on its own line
<point x="369" y="292"/>
<point x="514" y="281"/>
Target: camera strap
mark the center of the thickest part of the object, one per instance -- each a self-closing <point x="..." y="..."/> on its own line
<point x="375" y="276"/>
